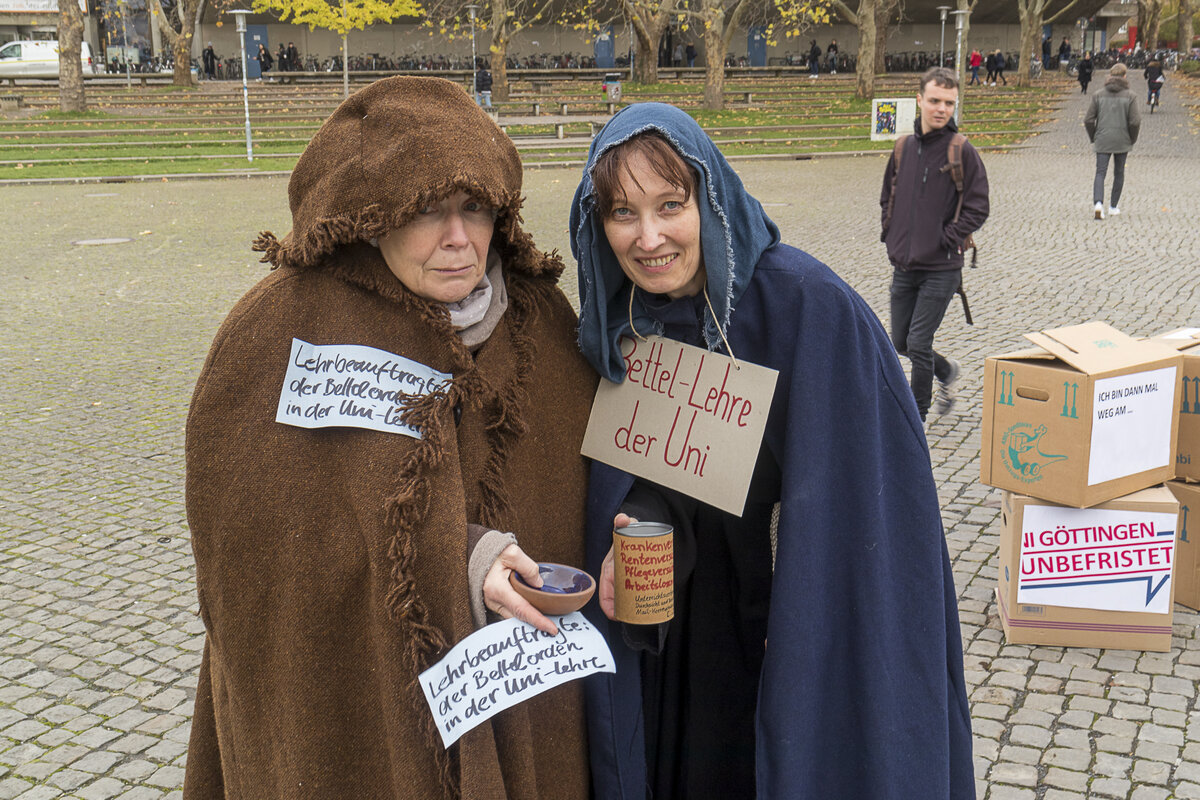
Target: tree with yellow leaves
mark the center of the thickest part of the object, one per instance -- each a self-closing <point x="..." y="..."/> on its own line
<point x="718" y="20"/>
<point x="649" y="20"/>
<point x="340" y="16"/>
<point x="503" y="18"/>
<point x="177" y="20"/>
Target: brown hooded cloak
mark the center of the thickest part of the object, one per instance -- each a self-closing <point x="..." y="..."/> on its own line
<point x="332" y="563"/>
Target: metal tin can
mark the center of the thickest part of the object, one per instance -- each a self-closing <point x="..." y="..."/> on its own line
<point x="644" y="572"/>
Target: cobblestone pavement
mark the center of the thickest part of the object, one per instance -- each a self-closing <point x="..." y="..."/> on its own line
<point x="99" y="638"/>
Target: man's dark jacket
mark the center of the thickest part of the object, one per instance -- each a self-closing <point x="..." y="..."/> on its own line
<point x="922" y="233"/>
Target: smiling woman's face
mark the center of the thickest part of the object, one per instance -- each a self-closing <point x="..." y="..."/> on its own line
<point x="442" y="253"/>
<point x="653" y="228"/>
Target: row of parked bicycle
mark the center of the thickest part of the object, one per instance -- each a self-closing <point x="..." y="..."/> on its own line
<point x="230" y="68"/>
<point x="916" y="61"/>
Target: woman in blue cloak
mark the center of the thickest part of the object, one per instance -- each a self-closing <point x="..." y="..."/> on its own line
<point x="859" y="693"/>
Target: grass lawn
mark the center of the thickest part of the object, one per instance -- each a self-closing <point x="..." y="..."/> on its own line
<point x="783" y="119"/>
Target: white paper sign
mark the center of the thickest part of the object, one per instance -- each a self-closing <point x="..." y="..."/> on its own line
<point x="1092" y="558"/>
<point x="505" y="663"/>
<point x="1132" y="429"/>
<point x="1186" y="333"/>
<point x="351" y="385"/>
<point x="892" y="117"/>
<point x="684" y="418"/>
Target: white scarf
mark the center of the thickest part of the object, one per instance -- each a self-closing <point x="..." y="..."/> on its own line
<point x="476" y="315"/>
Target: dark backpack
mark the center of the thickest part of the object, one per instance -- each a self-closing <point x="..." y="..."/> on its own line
<point x="954" y="166"/>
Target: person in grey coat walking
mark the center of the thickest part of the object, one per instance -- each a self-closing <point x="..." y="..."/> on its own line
<point x="1112" y="123"/>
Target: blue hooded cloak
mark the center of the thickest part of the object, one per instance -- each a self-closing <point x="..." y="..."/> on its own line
<point x="861" y="693"/>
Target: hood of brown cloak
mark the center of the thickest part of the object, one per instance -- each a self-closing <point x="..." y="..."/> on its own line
<point x="386" y="152"/>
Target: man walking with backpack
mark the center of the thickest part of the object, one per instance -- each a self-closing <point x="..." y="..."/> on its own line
<point x="935" y="196"/>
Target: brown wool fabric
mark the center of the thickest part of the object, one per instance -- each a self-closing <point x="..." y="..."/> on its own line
<point x="332" y="563"/>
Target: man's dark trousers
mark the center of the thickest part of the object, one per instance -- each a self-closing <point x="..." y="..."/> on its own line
<point x="919" y="301"/>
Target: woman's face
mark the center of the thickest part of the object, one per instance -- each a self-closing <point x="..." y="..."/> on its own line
<point x="654" y="230"/>
<point x="442" y="253"/>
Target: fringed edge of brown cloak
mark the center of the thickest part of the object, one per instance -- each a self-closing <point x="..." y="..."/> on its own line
<point x="425" y="642"/>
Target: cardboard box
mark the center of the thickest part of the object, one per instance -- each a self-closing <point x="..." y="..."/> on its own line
<point x="1108" y="571"/>
<point x="1187" y="552"/>
<point x="1086" y="417"/>
<point x="1187" y="459"/>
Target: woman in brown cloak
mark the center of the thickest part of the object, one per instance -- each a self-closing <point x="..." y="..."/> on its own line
<point x="336" y="563"/>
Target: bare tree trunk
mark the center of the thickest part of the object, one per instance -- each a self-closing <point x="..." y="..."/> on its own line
<point x="70" y="52"/>
<point x="714" y="64"/>
<point x="865" y="72"/>
<point x="180" y="41"/>
<point x="1030" y="13"/>
<point x="645" y="65"/>
<point x="964" y="56"/>
<point x="500" y="34"/>
<point x="883" y="14"/>
<point x="1154" y="25"/>
<point x="181" y="48"/>
<point x="1186" y="10"/>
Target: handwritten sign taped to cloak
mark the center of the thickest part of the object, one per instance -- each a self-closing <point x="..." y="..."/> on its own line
<point x="352" y="385"/>
<point x="505" y="663"/>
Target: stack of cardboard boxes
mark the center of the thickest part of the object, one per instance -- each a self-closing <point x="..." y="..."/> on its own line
<point x="1081" y="432"/>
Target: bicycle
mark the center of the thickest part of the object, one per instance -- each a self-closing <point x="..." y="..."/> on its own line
<point x="1154" y="98"/>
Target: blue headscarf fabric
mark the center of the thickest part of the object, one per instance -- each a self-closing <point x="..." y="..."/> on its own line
<point x="734" y="233"/>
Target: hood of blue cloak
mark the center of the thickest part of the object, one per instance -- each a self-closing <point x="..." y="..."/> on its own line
<point x="734" y="233"/>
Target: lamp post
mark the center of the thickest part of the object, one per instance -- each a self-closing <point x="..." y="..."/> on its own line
<point x="960" y="20"/>
<point x="239" y="15"/>
<point x="123" y="5"/>
<point x="472" y="10"/>
<point x="942" y="10"/>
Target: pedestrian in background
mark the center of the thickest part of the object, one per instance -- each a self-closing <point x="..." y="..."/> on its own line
<point x="1001" y="65"/>
<point x="1086" y="67"/>
<point x="831" y="56"/>
<point x="293" y="57"/>
<point x="1154" y="80"/>
<point x="209" y="57"/>
<point x="1112" y="123"/>
<point x="975" y="62"/>
<point x="281" y="58"/>
<point x="814" y="59"/>
<point x="925" y="227"/>
<point x="677" y="56"/>
<point x="690" y="53"/>
<point x="1064" y="53"/>
<point x="483" y="85"/>
<point x="990" y="80"/>
<point x="265" y="62"/>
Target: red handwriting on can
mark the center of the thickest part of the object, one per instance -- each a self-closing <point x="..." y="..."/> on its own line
<point x="644" y="572"/>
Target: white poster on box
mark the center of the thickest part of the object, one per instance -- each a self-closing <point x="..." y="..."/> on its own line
<point x="1132" y="429"/>
<point x="1097" y="558"/>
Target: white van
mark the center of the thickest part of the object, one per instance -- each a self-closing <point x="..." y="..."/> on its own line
<point x="30" y="59"/>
